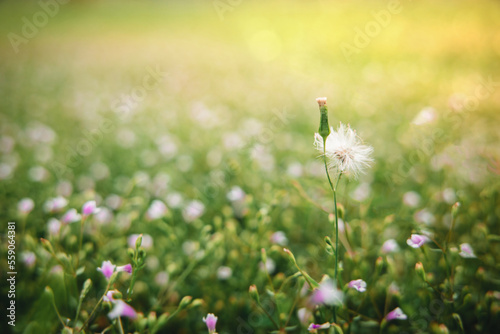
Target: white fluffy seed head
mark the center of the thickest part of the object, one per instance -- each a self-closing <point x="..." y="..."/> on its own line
<point x="345" y="152"/>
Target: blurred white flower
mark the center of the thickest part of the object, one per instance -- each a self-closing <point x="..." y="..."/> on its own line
<point x="64" y="188"/>
<point x="427" y="115"/>
<point x="103" y="216"/>
<point x="156" y="210"/>
<point x="189" y="247"/>
<point x="279" y="237"/>
<point x="113" y="201"/>
<point x="236" y="194"/>
<point x="362" y="192"/>
<point x="344" y="151"/>
<point x="411" y="199"/>
<point x="162" y="278"/>
<point x="193" y="211"/>
<point x="28" y="259"/>
<point x="358" y="284"/>
<point x="6" y="170"/>
<point x="397" y="313"/>
<point x="449" y="196"/>
<point x="224" y="273"/>
<point x="424" y="216"/>
<point x="53" y="226"/>
<point x="327" y="294"/>
<point x="466" y="251"/>
<point x="270" y="265"/>
<point x="390" y="246"/>
<point x="417" y="240"/>
<point x="71" y="216"/>
<point x="55" y="204"/>
<point x="6" y="144"/>
<point x="304" y="315"/>
<point x="38" y="174"/>
<point x="174" y="200"/>
<point x="99" y="170"/>
<point x="147" y="241"/>
<point x="25" y="206"/>
<point x="295" y="169"/>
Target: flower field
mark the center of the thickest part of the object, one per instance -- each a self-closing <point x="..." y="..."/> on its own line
<point x="250" y="166"/>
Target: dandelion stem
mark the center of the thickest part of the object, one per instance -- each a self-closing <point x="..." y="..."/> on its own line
<point x="334" y="190"/>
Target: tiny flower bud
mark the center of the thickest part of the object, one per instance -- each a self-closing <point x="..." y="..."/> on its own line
<point x="86" y="288"/>
<point x="254" y="293"/>
<point x="419" y="268"/>
<point x="324" y="127"/>
<point x="47" y="245"/>
<point x="185" y="302"/>
<point x="454" y="208"/>
<point x="117" y="295"/>
<point x="130" y="253"/>
<point x="138" y="242"/>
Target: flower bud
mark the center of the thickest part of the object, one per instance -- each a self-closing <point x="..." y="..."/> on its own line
<point x="324" y="127"/>
<point x="138" y="242"/>
<point x="419" y="269"/>
<point x="47" y="245"/>
<point x="130" y="253"/>
<point x="254" y="293"/>
<point x="185" y="302"/>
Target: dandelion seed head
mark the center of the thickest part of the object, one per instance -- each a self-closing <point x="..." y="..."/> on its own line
<point x="344" y="150"/>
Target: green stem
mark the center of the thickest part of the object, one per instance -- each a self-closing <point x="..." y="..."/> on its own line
<point x="80" y="241"/>
<point x="95" y="308"/>
<point x="120" y="325"/>
<point x="334" y="190"/>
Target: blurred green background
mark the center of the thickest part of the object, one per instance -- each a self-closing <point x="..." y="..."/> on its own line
<point x="233" y="104"/>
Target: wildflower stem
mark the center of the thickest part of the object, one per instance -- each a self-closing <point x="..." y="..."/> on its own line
<point x="80" y="241"/>
<point x="334" y="190"/>
<point x="120" y="325"/>
<point x="95" y="308"/>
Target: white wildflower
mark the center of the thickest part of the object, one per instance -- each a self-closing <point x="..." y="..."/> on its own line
<point x="345" y="151"/>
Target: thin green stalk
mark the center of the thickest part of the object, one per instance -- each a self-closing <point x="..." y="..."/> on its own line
<point x="334" y="190"/>
<point x="80" y="241"/>
<point x="120" y="325"/>
<point x="95" y="308"/>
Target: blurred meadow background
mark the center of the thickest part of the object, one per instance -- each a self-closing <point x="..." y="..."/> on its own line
<point x="192" y="123"/>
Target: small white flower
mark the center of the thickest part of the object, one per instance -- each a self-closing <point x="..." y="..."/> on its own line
<point x="53" y="226"/>
<point x="156" y="210"/>
<point x="358" y="284"/>
<point x="55" y="204"/>
<point x="236" y="194"/>
<point x="411" y="199"/>
<point x="390" y="246"/>
<point x="417" y="240"/>
<point x="327" y="294"/>
<point x="193" y="211"/>
<point x="71" y="216"/>
<point x="25" y="205"/>
<point x="224" y="273"/>
<point x="466" y="251"/>
<point x="397" y="313"/>
<point x="344" y="150"/>
<point x="279" y="237"/>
